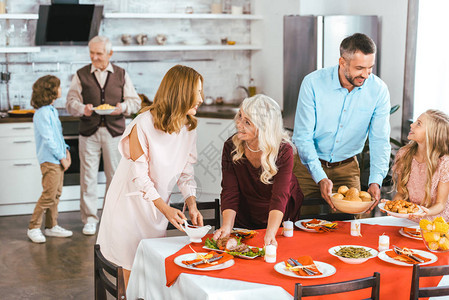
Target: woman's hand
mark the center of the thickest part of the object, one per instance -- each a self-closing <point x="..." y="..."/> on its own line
<point x="173" y="215"/>
<point x="195" y="215"/>
<point x="270" y="239"/>
<point x="419" y="215"/>
<point x="222" y="232"/>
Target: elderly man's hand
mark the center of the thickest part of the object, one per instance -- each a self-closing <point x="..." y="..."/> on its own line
<point x="118" y="110"/>
<point x="88" y="110"/>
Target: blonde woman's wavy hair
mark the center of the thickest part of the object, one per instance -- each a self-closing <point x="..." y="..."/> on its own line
<point x="174" y="98"/>
<point x="266" y="116"/>
<point x="437" y="145"/>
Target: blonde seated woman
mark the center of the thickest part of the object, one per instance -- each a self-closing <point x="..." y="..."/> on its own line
<point x="259" y="189"/>
<point x="158" y="150"/>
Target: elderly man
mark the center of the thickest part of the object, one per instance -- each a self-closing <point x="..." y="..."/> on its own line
<point x="99" y="83"/>
<point x="338" y="107"/>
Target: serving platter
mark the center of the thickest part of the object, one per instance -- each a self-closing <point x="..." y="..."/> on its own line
<point x="397" y="215"/>
<point x="104" y="111"/>
<point x="241" y="256"/>
<point x="325" y="268"/>
<point x="433" y="258"/>
<point x="191" y="256"/>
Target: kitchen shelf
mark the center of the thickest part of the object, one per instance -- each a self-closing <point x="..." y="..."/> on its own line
<point x="19" y="49"/>
<point x="19" y="16"/>
<point x="185" y="48"/>
<point x="181" y="16"/>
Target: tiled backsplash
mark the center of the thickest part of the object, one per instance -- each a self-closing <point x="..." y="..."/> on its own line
<point x="223" y="71"/>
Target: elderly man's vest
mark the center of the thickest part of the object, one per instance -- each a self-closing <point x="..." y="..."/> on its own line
<point x="111" y="93"/>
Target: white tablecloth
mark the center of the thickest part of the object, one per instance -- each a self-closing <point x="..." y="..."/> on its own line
<point x="148" y="281"/>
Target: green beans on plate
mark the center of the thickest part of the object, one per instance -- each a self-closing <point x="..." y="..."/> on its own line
<point x="353" y="252"/>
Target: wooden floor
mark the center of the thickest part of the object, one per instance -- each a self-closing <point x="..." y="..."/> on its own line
<point x="61" y="268"/>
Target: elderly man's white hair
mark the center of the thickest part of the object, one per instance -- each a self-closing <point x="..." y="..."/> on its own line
<point x="102" y="39"/>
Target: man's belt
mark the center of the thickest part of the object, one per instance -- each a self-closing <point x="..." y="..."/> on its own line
<point x="330" y="165"/>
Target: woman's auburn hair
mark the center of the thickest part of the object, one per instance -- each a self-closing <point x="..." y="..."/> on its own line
<point x="266" y="116"/>
<point x="437" y="136"/>
<point x="174" y="98"/>
<point x="45" y="91"/>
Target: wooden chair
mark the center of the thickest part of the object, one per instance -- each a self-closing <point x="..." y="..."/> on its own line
<point x="215" y="205"/>
<point x="324" y="211"/>
<point x="340" y="287"/>
<point x="417" y="292"/>
<point x="102" y="282"/>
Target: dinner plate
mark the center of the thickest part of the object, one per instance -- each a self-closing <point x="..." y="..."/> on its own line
<point x="347" y="260"/>
<point x="302" y="227"/>
<point x="397" y="215"/>
<point x="326" y="270"/>
<point x="433" y="258"/>
<point x="104" y="111"/>
<point x="241" y="256"/>
<point x="402" y="232"/>
<point x="190" y="256"/>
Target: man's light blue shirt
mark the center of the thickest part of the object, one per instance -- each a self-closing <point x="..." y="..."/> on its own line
<point x="50" y="145"/>
<point x="332" y="124"/>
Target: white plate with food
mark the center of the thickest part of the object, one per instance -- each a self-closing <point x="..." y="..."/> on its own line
<point x="191" y="256"/>
<point x="410" y="233"/>
<point x="302" y="227"/>
<point x="397" y="215"/>
<point x="104" y="111"/>
<point x="234" y="247"/>
<point x="433" y="258"/>
<point x="353" y="254"/>
<point x="326" y="270"/>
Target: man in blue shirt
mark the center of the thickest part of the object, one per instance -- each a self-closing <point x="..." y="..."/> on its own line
<point x="338" y="108"/>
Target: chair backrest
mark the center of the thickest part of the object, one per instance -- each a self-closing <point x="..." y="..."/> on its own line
<point x="325" y="211"/>
<point x="215" y="205"/>
<point x="417" y="292"/>
<point x="102" y="282"/>
<point x="372" y="282"/>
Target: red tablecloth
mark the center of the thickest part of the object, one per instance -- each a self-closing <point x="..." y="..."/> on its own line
<point x="395" y="280"/>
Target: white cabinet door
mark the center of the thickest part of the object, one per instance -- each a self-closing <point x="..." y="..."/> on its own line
<point x="212" y="133"/>
<point x="20" y="181"/>
<point x="19" y="147"/>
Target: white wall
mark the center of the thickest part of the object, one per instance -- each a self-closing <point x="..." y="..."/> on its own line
<point x="393" y="16"/>
<point x="267" y="65"/>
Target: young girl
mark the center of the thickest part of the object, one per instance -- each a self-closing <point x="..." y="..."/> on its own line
<point x="158" y="150"/>
<point x="421" y="169"/>
<point x="53" y="157"/>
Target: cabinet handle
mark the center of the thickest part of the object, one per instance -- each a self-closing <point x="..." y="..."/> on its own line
<point x="214" y="123"/>
<point x="21" y="128"/>
<point x="21" y="142"/>
<point x="23" y="165"/>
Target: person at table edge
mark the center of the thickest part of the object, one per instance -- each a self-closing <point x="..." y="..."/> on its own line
<point x="259" y="189"/>
<point x="338" y="108"/>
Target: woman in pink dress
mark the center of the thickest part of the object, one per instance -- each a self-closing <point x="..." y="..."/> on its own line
<point x="259" y="189"/>
<point x="158" y="150"/>
<point x="421" y="168"/>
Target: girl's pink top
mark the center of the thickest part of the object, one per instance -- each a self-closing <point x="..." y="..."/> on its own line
<point x="417" y="183"/>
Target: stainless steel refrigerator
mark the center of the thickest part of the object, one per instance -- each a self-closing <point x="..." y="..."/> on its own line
<point x="313" y="42"/>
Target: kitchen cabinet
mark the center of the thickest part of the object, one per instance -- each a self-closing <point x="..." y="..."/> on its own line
<point x="212" y="133"/>
<point x="20" y="175"/>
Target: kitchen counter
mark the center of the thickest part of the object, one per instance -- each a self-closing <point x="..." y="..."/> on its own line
<point x="224" y="111"/>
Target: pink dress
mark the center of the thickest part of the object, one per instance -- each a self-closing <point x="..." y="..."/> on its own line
<point x="129" y="214"/>
<point x="417" y="182"/>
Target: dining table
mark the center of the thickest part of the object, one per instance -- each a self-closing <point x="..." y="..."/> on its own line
<point x="154" y="274"/>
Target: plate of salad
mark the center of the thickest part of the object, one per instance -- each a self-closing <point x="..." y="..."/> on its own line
<point x="233" y="246"/>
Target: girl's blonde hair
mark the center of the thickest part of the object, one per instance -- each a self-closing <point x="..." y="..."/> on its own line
<point x="266" y="116"/>
<point x="45" y="91"/>
<point x="437" y="138"/>
<point x="174" y="98"/>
